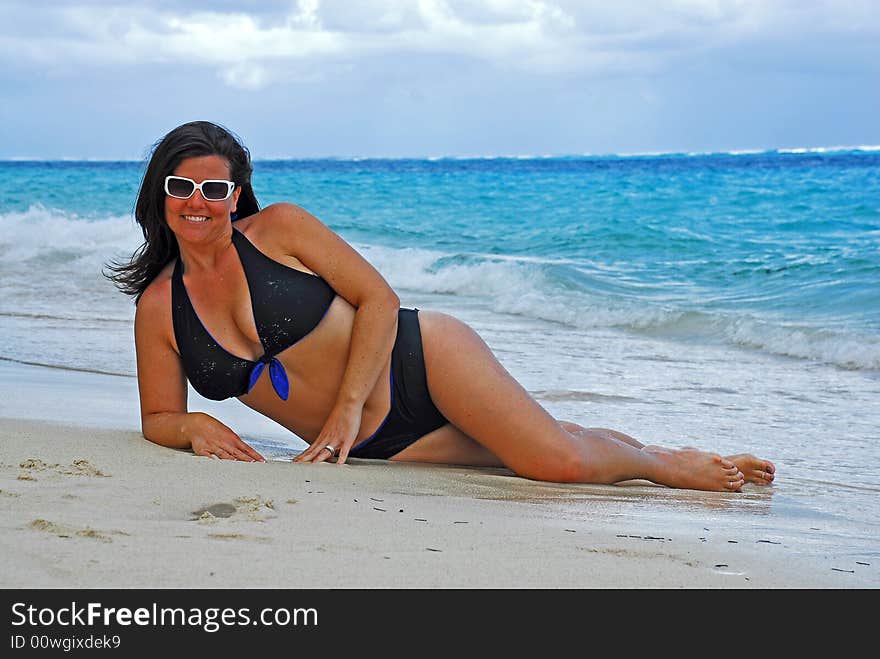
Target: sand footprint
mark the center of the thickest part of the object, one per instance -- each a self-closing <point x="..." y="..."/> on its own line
<point x="79" y="467"/>
<point x="253" y="508"/>
<point x="63" y="531"/>
<point x="212" y="512"/>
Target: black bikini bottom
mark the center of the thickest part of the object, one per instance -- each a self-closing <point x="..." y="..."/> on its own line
<point x="413" y="414"/>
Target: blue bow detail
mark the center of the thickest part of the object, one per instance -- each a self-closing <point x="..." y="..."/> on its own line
<point x="276" y="373"/>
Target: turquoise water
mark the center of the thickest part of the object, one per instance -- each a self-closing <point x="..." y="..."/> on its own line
<point x="771" y="251"/>
<point x="726" y="301"/>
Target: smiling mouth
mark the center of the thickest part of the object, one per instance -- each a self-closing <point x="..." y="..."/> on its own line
<point x="196" y="218"/>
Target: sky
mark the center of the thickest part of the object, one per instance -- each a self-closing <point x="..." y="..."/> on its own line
<point x="433" y="78"/>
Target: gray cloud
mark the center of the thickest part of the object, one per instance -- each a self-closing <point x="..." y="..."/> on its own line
<point x="398" y="77"/>
<point x="254" y="44"/>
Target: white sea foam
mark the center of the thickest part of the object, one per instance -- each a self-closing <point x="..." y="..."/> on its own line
<point x="527" y="288"/>
<point x="421" y="270"/>
<point x="52" y="267"/>
<point x="44" y="234"/>
<point x="52" y="262"/>
<point x="828" y="149"/>
<point x="845" y="349"/>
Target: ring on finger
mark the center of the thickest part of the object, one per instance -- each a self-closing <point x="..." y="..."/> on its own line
<point x="331" y="449"/>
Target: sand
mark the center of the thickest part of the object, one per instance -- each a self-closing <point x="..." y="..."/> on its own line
<point x="87" y="502"/>
<point x="104" y="508"/>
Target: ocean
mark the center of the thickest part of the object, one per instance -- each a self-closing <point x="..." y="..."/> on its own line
<point x="729" y="301"/>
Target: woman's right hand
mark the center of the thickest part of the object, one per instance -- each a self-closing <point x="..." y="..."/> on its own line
<point x="209" y="437"/>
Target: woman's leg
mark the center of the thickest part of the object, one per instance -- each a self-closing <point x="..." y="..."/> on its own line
<point x="448" y="445"/>
<point x="483" y="401"/>
<point x="754" y="470"/>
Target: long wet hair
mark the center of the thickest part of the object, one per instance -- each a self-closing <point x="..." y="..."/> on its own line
<point x="191" y="140"/>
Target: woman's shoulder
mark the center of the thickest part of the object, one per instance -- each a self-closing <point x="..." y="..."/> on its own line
<point x="271" y="218"/>
<point x="276" y="224"/>
<point x="156" y="297"/>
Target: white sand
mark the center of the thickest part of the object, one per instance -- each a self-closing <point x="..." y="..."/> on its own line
<point x="91" y="507"/>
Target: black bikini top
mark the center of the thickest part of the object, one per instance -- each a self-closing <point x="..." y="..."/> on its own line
<point x="287" y="304"/>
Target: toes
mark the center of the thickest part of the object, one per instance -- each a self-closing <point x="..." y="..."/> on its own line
<point x="734" y="480"/>
<point x="762" y="476"/>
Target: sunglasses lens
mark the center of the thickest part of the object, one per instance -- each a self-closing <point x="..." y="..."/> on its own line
<point x="180" y="187"/>
<point x="215" y="190"/>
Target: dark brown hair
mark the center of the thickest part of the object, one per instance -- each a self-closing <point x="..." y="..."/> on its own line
<point x="191" y="140"/>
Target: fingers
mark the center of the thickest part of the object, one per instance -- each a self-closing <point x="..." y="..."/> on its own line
<point x="223" y="454"/>
<point x="217" y="440"/>
<point x="243" y="453"/>
<point x="318" y="452"/>
<point x="248" y="454"/>
<point x="336" y="437"/>
<point x="324" y="453"/>
<point x="307" y="455"/>
<point x="310" y="453"/>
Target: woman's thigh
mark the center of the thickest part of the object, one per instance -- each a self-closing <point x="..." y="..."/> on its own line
<point x="449" y="445"/>
<point x="485" y="403"/>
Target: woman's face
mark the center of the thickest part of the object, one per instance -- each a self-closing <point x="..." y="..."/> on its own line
<point x="195" y="219"/>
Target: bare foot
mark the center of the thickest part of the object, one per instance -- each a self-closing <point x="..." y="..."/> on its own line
<point x="754" y="469"/>
<point x="693" y="469"/>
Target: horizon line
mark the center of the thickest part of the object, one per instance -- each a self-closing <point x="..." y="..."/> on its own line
<point x="561" y="156"/>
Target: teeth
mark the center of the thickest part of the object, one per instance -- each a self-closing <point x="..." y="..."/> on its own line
<point x="195" y="218"/>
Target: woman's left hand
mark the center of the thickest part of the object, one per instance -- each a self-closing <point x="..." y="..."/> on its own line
<point x="337" y="436"/>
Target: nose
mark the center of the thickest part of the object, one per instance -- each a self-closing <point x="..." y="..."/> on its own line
<point x="197" y="200"/>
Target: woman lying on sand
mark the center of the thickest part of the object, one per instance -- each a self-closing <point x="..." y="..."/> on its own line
<point x="272" y="307"/>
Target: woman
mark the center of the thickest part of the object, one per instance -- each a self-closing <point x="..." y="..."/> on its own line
<point x="272" y="307"/>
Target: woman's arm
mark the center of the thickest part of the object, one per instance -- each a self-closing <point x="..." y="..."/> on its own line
<point x="163" y="393"/>
<point x="375" y="323"/>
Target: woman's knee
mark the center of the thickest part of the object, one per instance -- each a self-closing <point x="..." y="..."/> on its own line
<point x="564" y="464"/>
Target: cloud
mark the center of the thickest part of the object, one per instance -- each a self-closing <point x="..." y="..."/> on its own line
<point x="253" y="44"/>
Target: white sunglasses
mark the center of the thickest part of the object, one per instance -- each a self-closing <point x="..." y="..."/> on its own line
<point x="181" y="187"/>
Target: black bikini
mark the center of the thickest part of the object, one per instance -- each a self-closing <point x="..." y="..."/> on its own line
<point x="413" y="414"/>
<point x="287" y="305"/>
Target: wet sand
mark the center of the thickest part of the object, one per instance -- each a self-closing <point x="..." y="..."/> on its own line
<point x="87" y="502"/>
